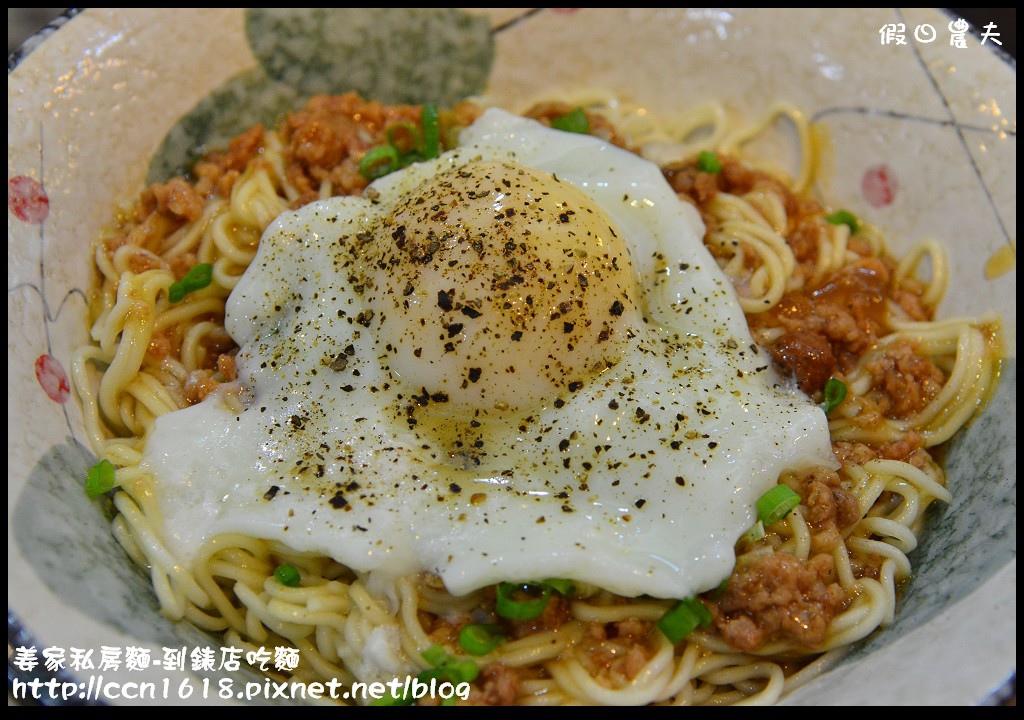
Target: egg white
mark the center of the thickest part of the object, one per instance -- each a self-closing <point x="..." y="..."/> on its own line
<point x="639" y="478"/>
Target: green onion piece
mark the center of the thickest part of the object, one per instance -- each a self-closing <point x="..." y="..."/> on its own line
<point x="436" y="655"/>
<point x="447" y="667"/>
<point x="508" y="607"/>
<point x="431" y="132"/>
<point x="99" y="479"/>
<point x="708" y="162"/>
<point x="776" y="504"/>
<point x="197" y="278"/>
<point x="379" y="161"/>
<point x="845" y="217"/>
<point x="835" y="393"/>
<point x="287" y="575"/>
<point x="755" y="533"/>
<point x="700" y="610"/>
<point x="431" y="674"/>
<point x="575" y="121"/>
<point x="460" y="671"/>
<point x="480" y="639"/>
<point x="684" y="617"/>
<point x="393" y="700"/>
<point x="561" y="586"/>
<point x="409" y="141"/>
<point x="678" y="622"/>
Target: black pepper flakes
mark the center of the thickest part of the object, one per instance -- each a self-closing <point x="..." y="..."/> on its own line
<point x="445" y="299"/>
<point x="339" y="362"/>
<point x="365" y="318"/>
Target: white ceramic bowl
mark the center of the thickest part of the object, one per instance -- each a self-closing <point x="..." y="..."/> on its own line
<point x="90" y="103"/>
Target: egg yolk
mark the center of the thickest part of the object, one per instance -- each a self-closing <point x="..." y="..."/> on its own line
<point x="500" y="288"/>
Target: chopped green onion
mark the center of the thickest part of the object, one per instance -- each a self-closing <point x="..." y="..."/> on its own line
<point x="394" y="700"/>
<point x="197" y="278"/>
<point x="430" y="674"/>
<point x="575" y="121"/>
<point x="776" y="504"/>
<point x="513" y="609"/>
<point x="678" y="622"/>
<point x="379" y="161"/>
<point x="845" y="217"/>
<point x="436" y="655"/>
<point x="431" y="147"/>
<point x="755" y="533"/>
<point x="835" y="393"/>
<point x="406" y="144"/>
<point x="287" y="575"/>
<point x="447" y="667"/>
<point x="561" y="586"/>
<point x="700" y="610"/>
<point x="508" y="607"/>
<point x="708" y="162"/>
<point x="410" y="140"/>
<point x="480" y="639"/>
<point x="460" y="671"/>
<point x="100" y="479"/>
<point x="683" y="618"/>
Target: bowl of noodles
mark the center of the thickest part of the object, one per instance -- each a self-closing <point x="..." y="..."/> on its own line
<point x="511" y="356"/>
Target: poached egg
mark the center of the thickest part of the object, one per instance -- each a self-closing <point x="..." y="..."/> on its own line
<point x="514" y="362"/>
